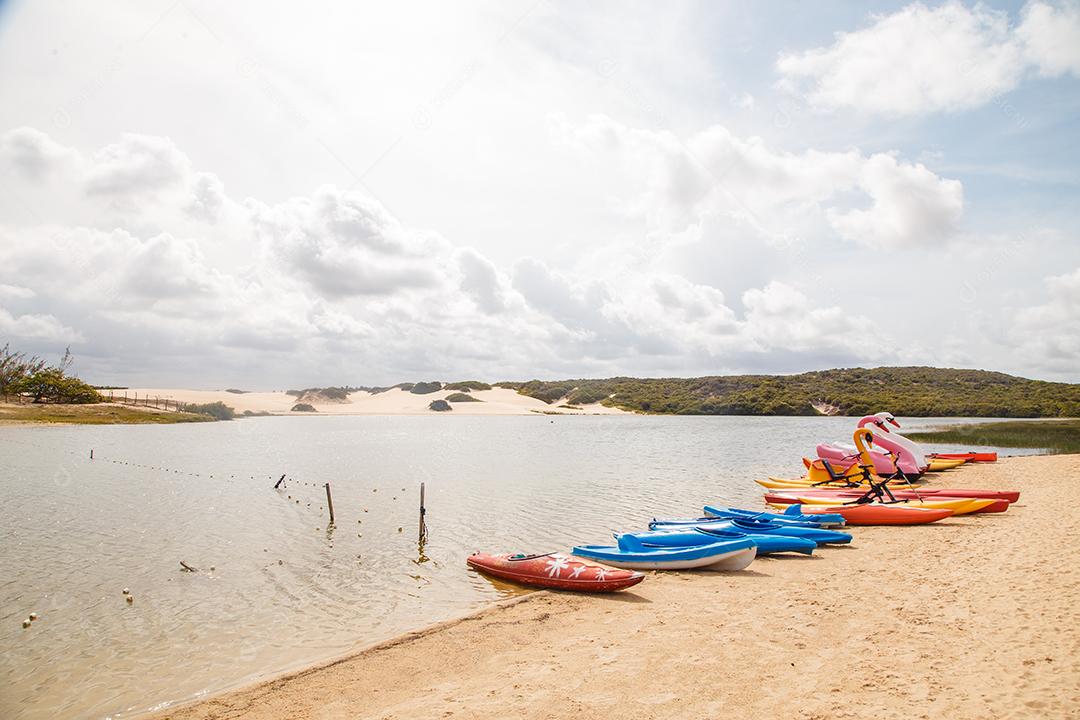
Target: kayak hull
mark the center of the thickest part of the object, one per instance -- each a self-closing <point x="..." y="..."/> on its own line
<point x="969" y="456"/>
<point x="1008" y="496"/>
<point x="939" y="464"/>
<point x="724" y="555"/>
<point x="824" y="521"/>
<point x="766" y="544"/>
<point x="959" y="506"/>
<point x="554" y="571"/>
<point x="882" y="514"/>
<point x="820" y="536"/>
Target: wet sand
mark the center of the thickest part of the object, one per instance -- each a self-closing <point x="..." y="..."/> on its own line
<point x="967" y="618"/>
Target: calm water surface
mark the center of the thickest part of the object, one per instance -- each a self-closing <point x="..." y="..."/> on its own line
<point x="276" y="587"/>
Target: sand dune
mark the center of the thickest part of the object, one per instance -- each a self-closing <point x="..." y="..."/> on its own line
<point x="497" y="401"/>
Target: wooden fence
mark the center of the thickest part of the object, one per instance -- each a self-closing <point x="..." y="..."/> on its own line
<point x="146" y="400"/>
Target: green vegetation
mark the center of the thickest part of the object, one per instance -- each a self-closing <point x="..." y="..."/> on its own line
<point x="252" y="413"/>
<point x="423" y="388"/>
<point x="909" y="391"/>
<point x="439" y="406"/>
<point x="328" y="393"/>
<point x="94" y="414"/>
<point x="217" y="410"/>
<point x="234" y="391"/>
<point x="461" y="397"/>
<point x="467" y="386"/>
<point x="1059" y="436"/>
<point x="31" y="377"/>
<point x="303" y="407"/>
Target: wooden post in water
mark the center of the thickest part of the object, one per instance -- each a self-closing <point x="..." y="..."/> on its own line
<point x="91" y="453"/>
<point x="329" y="503"/>
<point x="423" y="511"/>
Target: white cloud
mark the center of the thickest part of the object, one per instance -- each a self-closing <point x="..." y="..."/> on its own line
<point x="1049" y="334"/>
<point x="347" y="244"/>
<point x="922" y="60"/>
<point x="1051" y="37"/>
<point x="875" y="200"/>
<point x="36" y="327"/>
<point x="481" y="280"/>
<point x="15" y="292"/>
<point x="207" y="197"/>
<point x="910" y="205"/>
<point x="136" y="165"/>
<point x="33" y="153"/>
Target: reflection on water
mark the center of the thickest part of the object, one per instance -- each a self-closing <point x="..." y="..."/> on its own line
<point x="276" y="585"/>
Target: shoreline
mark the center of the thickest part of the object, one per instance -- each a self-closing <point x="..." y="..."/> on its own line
<point x="953" y="628"/>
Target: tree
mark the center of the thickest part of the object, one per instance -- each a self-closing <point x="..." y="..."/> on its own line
<point x="23" y="375"/>
<point x="14" y="366"/>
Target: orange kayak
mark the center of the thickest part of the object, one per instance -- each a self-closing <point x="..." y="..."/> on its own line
<point x="969" y="456"/>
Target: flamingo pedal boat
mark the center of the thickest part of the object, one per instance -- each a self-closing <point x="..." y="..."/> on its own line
<point x="877" y="514"/>
<point x="554" y="571"/>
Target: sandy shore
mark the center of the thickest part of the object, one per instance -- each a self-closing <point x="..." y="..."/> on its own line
<point x="496" y="401"/>
<point x="970" y="618"/>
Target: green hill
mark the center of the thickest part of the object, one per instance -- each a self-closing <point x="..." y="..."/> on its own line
<point x="908" y="391"/>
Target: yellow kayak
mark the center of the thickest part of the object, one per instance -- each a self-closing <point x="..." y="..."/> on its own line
<point x="959" y="506"/>
<point x="939" y="464"/>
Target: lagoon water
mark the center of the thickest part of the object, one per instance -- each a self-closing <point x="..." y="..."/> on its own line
<point x="276" y="588"/>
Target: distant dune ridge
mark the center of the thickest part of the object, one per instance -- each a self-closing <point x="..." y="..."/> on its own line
<point x="906" y="391"/>
<point x="381" y="401"/>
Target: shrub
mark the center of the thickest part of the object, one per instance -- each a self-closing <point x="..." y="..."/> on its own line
<point x="439" y="406"/>
<point x="467" y="386"/>
<point x="461" y="397"/>
<point x="303" y="407"/>
<point x="217" y="410"/>
<point x="52" y="385"/>
<point x="423" y="388"/>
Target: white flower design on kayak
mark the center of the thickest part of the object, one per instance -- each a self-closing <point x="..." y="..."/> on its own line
<point x="577" y="570"/>
<point x="556" y="565"/>
<point x="601" y="573"/>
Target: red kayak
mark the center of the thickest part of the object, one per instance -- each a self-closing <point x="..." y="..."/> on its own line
<point x="554" y="570"/>
<point x="875" y="514"/>
<point x="995" y="505"/>
<point x="969" y="456"/>
<point x="901" y="491"/>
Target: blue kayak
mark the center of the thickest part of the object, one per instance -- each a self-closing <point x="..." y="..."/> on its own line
<point x="763" y="527"/>
<point x="766" y="544"/>
<point x="720" y="555"/>
<point x="790" y="515"/>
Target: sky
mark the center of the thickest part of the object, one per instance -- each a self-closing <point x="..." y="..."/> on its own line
<point x="269" y="195"/>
